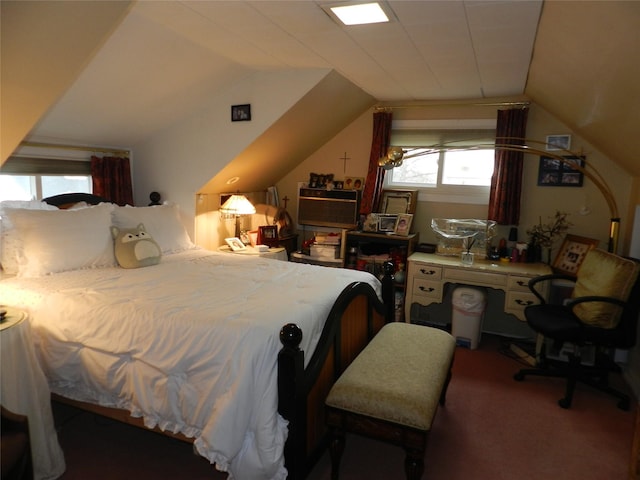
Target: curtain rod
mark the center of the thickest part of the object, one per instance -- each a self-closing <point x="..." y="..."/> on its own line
<point x="76" y="147"/>
<point x="520" y="104"/>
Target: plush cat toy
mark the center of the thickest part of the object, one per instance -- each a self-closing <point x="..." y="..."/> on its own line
<point x="134" y="247"/>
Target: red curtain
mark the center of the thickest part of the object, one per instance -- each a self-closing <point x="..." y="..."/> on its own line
<point x="112" y="179"/>
<point x="375" y="176"/>
<point x="506" y="182"/>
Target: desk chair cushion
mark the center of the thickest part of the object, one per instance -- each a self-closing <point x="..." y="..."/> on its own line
<point x="560" y="324"/>
<point x="607" y="275"/>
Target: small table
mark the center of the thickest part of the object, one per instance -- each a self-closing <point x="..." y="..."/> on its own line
<point x="24" y="390"/>
<point x="275" y="253"/>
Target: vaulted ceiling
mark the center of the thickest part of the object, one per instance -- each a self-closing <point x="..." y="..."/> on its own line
<point x="578" y="60"/>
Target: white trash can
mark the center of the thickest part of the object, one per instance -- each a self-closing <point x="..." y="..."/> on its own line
<point x="468" y="306"/>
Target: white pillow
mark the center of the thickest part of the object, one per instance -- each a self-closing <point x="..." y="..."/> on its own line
<point x="61" y="240"/>
<point x="162" y="222"/>
<point x="9" y="242"/>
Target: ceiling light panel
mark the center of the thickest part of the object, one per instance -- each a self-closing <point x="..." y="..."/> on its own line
<point x="358" y="14"/>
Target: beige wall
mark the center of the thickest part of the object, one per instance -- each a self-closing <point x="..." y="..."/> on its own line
<point x="536" y="201"/>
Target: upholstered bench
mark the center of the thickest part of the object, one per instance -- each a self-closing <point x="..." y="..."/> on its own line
<point x="391" y="391"/>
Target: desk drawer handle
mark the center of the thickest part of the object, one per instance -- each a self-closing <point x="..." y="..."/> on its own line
<point x="522" y="283"/>
<point x="526" y="303"/>
<point x="424" y="289"/>
<point x="427" y="272"/>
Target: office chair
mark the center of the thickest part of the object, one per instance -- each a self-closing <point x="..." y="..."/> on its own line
<point x="602" y="313"/>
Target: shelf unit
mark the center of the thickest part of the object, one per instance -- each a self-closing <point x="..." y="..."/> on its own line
<point x="368" y="245"/>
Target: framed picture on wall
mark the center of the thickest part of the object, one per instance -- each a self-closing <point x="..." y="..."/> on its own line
<point x="554" y="172"/>
<point x="558" y="142"/>
<point x="572" y="253"/>
<point x="241" y="113"/>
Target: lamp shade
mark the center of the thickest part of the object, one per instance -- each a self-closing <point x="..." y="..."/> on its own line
<point x="237" y="205"/>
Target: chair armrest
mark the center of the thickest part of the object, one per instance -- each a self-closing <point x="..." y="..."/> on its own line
<point x="547" y="278"/>
<point x="595" y="298"/>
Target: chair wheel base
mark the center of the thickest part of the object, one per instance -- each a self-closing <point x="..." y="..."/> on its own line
<point x="564" y="403"/>
<point x="518" y="377"/>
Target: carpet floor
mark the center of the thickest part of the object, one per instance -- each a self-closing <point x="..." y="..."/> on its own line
<point x="491" y="427"/>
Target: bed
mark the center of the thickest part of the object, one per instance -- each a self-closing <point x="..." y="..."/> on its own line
<point x="234" y="354"/>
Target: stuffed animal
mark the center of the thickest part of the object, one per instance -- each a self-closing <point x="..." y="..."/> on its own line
<point x="134" y="247"/>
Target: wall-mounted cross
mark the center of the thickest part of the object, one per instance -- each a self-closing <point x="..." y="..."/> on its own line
<point x="344" y="159"/>
<point x="285" y="200"/>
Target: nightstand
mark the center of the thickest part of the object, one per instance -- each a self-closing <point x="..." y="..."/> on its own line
<point x="24" y="390"/>
<point x="275" y="253"/>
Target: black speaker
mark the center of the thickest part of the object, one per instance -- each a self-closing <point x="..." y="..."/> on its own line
<point x="328" y="208"/>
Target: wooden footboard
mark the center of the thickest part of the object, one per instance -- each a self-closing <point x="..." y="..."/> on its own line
<point x="354" y="319"/>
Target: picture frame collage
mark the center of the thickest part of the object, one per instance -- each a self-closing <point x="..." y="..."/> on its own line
<point x="326" y="180"/>
<point x="553" y="172"/>
<point x="391" y="224"/>
<point x="395" y="216"/>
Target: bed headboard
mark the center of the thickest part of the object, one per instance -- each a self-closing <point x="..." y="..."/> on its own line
<point x="66" y="200"/>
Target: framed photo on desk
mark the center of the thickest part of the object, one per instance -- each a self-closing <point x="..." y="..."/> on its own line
<point x="268" y="235"/>
<point x="403" y="224"/>
<point x="387" y="223"/>
<point x="572" y="253"/>
<point x="235" y="244"/>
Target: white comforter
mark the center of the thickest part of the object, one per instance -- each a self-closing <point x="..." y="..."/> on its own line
<point x="190" y="344"/>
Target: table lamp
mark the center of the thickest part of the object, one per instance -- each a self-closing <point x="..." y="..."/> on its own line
<point x="236" y="206"/>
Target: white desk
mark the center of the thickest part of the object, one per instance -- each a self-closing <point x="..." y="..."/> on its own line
<point x="275" y="253"/>
<point x="428" y="273"/>
<point x="24" y="390"/>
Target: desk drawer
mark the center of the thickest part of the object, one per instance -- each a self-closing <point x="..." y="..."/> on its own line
<point x="426" y="271"/>
<point x="519" y="284"/>
<point x="426" y="288"/>
<point x="519" y="300"/>
<point x="464" y="275"/>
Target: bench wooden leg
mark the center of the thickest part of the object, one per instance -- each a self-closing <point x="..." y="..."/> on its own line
<point x="443" y="393"/>
<point x="414" y="464"/>
<point x="336" y="449"/>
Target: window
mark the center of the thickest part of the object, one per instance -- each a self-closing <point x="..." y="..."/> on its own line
<point x="459" y="173"/>
<point x="37" y="178"/>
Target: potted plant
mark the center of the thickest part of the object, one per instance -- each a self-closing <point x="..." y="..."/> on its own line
<point x="543" y="235"/>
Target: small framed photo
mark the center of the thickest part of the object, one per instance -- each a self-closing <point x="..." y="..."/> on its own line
<point x="403" y="224"/>
<point x="554" y="172"/>
<point x="370" y="223"/>
<point x="241" y="113"/>
<point x="235" y="244"/>
<point x="387" y="223"/>
<point x="556" y="143"/>
<point x="353" y="183"/>
<point x="253" y="237"/>
<point x="268" y="235"/>
<point x="572" y="253"/>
